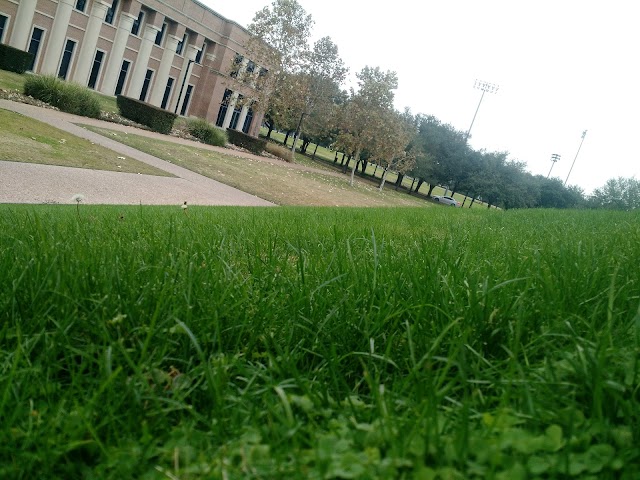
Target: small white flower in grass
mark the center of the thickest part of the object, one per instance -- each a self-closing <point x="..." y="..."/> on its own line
<point x="184" y="207"/>
<point x="78" y="198"/>
<point x="121" y="158"/>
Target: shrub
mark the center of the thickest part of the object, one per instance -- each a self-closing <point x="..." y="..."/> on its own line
<point x="157" y="119"/>
<point x="68" y="97"/>
<point x="279" y="151"/>
<point x="14" y="60"/>
<point x="240" y="139"/>
<point x="204" y="131"/>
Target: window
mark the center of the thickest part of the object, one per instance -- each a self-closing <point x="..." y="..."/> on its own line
<point x="80" y="5"/>
<point x="95" y="70"/>
<point x="111" y="13"/>
<point x="223" y="107"/>
<point x="181" y="44"/>
<point x="135" y="28"/>
<point x="200" y="53"/>
<point x="3" y="22"/>
<point x="145" y="85"/>
<point x="236" y="113"/>
<point x="185" y="102"/>
<point x="34" y="44"/>
<point x="237" y="64"/>
<point x="122" y="77"/>
<point x="66" y="59"/>
<point x="167" y="93"/>
<point x="247" y="121"/>
<point x="160" y="34"/>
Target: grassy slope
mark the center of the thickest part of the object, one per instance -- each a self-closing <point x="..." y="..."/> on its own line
<point x="27" y="140"/>
<point x="276" y="181"/>
<point x="318" y="343"/>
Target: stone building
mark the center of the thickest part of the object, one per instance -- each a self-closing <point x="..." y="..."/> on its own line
<point x="174" y="54"/>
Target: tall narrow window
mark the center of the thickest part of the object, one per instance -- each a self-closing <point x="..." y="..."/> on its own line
<point x="66" y="59"/>
<point x="181" y="44"/>
<point x="167" y="93"/>
<point x="3" y="23"/>
<point x="187" y="97"/>
<point x="224" y="104"/>
<point x="236" y="114"/>
<point x="122" y="77"/>
<point x="200" y="53"/>
<point x="160" y="34"/>
<point x="111" y="12"/>
<point x="145" y="85"/>
<point x="247" y="121"/>
<point x="95" y="69"/>
<point x="135" y="28"/>
<point x="34" y="44"/>
<point x="237" y="65"/>
<point x="80" y="5"/>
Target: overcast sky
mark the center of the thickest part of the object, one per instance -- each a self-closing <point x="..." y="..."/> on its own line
<point x="562" y="67"/>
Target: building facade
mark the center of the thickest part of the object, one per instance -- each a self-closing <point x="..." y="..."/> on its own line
<point x="174" y="54"/>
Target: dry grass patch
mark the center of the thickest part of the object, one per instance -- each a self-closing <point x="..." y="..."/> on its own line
<point x="277" y="181"/>
<point x="26" y="140"/>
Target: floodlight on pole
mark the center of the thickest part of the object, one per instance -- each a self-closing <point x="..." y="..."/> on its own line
<point x="554" y="158"/>
<point x="486" y="87"/>
<point x="584" y="134"/>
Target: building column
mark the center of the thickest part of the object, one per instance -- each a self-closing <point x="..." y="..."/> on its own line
<point x="142" y="61"/>
<point x="22" y="24"/>
<point x="185" y="73"/>
<point x="116" y="55"/>
<point x="162" y="75"/>
<point x="230" y="108"/>
<point x="243" y="117"/>
<point x="89" y="42"/>
<point x="57" y="36"/>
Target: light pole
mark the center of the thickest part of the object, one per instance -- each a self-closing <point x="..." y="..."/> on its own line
<point x="485" y="87"/>
<point x="554" y="158"/>
<point x="584" y="134"/>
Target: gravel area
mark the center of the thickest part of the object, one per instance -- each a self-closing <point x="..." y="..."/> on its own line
<point x="34" y="183"/>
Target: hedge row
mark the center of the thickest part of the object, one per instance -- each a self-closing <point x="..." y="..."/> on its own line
<point x="240" y="139"/>
<point x="157" y="119"/>
<point x="14" y="60"/>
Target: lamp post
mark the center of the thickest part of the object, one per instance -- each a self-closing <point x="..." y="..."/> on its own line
<point x="554" y="158"/>
<point x="485" y="87"/>
<point x="584" y="134"/>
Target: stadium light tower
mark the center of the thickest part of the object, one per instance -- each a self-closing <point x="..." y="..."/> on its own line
<point x="486" y="87"/>
<point x="554" y="158"/>
<point x="584" y="134"/>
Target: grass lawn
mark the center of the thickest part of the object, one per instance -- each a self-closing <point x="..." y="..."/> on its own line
<point x="273" y="180"/>
<point x="324" y="158"/>
<point x="27" y="140"/>
<point x="318" y="343"/>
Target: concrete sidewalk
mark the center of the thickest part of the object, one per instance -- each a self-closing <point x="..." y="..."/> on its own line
<point x="35" y="183"/>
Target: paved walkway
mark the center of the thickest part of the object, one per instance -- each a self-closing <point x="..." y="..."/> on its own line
<point x="35" y="183"/>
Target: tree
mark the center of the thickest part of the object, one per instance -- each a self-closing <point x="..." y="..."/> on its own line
<point x="365" y="115"/>
<point x="276" y="53"/>
<point x="617" y="194"/>
<point x="321" y="76"/>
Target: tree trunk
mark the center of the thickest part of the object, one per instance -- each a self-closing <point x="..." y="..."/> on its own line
<point x="342" y="161"/>
<point x="384" y="179"/>
<point x="472" y="200"/>
<point x="314" y="152"/>
<point x="420" y="182"/>
<point x="364" y="166"/>
<point x="375" y="170"/>
<point x="335" y="159"/>
<point x="270" y="130"/>
<point x="286" y="137"/>
<point x="413" y="181"/>
<point x="399" y="180"/>
<point x="355" y="165"/>
<point x="431" y="187"/>
<point x="297" y="135"/>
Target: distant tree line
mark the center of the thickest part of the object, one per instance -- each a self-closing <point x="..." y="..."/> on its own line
<point x="301" y="94"/>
